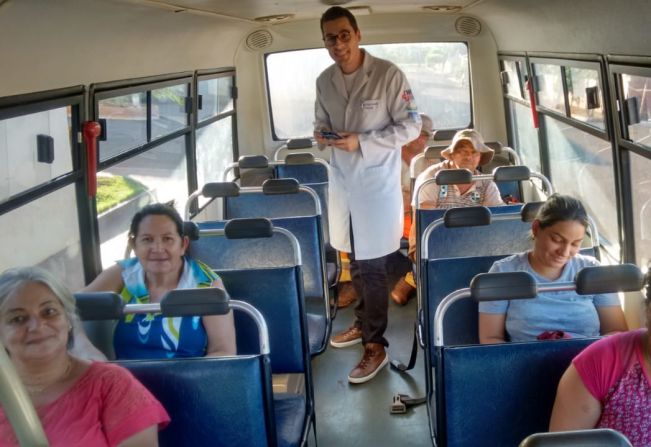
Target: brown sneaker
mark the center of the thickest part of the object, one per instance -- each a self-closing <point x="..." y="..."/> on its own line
<point x="346" y="294"/>
<point x="375" y="358"/>
<point x="349" y="337"/>
<point x="402" y="292"/>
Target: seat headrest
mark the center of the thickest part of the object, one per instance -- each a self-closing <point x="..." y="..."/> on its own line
<point x="503" y="286"/>
<point x="453" y="177"/>
<point x="609" y="279"/>
<point x="511" y="173"/>
<point x="258" y="227"/>
<point x="220" y="189"/>
<point x="530" y="211"/>
<point x="191" y="230"/>
<point x="280" y="186"/>
<point x="204" y="301"/>
<point x="299" y="143"/>
<point x="302" y="158"/>
<point x="472" y="216"/>
<point x="99" y="305"/>
<point x="253" y="162"/>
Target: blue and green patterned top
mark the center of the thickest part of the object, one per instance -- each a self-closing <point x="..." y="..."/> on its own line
<point x="150" y="336"/>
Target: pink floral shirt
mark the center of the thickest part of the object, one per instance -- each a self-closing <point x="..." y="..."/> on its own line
<point x="612" y="370"/>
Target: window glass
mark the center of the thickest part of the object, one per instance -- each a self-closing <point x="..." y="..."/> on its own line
<point x="641" y="187"/>
<point x="550" y="87"/>
<point x="525" y="136"/>
<point x="581" y="165"/>
<point x="126" y="124"/>
<point x="168" y="110"/>
<point x="438" y="74"/>
<point x="513" y="85"/>
<point x="19" y="166"/>
<point x="585" y="96"/>
<point x="45" y="232"/>
<point x="216" y="96"/>
<point x="158" y="175"/>
<point x="637" y="91"/>
<point x="214" y="151"/>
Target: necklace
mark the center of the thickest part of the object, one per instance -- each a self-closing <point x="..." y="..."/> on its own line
<point x="38" y="389"/>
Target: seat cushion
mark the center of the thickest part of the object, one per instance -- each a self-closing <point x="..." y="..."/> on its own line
<point x="290" y="411"/>
<point x="316" y="330"/>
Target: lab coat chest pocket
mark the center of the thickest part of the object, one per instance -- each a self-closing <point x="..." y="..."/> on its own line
<point x="373" y="113"/>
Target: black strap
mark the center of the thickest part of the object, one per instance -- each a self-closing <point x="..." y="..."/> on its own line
<point x="401" y="402"/>
<point x="398" y="365"/>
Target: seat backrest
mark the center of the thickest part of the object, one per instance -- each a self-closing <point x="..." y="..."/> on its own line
<point x="498" y="238"/>
<point x="245" y="253"/>
<point x="440" y="277"/>
<point x="424" y="217"/>
<point x="498" y="394"/>
<point x="277" y="293"/>
<point x="304" y="173"/>
<point x="211" y="401"/>
<point x="221" y="253"/>
<point x="258" y="204"/>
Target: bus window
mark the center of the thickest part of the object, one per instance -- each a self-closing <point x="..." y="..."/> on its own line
<point x="641" y="189"/>
<point x="216" y="96"/>
<point x="126" y="123"/>
<point x="514" y="81"/>
<point x="168" y="112"/>
<point x="45" y="233"/>
<point x="438" y="74"/>
<point x="20" y="168"/>
<point x="581" y="165"/>
<point x="524" y="136"/>
<point x="214" y="152"/>
<point x="550" y="87"/>
<point x="584" y="96"/>
<point x="637" y="91"/>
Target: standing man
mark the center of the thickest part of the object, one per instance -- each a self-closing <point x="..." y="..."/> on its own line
<point x="367" y="106"/>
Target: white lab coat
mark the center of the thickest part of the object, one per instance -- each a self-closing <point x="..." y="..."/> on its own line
<point x="365" y="184"/>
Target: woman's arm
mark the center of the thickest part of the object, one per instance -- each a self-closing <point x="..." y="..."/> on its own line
<point x="574" y="408"/>
<point x="492" y="328"/>
<point x="145" y="438"/>
<point x="611" y="320"/>
<point x="220" y="330"/>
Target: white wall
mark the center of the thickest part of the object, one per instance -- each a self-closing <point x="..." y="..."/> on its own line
<point x="47" y="44"/>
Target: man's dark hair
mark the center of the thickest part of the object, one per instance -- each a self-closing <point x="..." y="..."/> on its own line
<point x="337" y="12"/>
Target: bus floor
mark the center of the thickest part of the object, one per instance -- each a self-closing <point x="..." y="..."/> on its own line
<point x="358" y="415"/>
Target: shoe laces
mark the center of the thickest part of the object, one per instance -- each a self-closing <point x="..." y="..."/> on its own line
<point x="366" y="358"/>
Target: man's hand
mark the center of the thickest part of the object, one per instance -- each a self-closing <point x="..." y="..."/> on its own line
<point x="349" y="142"/>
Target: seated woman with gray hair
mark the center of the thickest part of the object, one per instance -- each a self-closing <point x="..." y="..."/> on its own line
<point x="78" y="402"/>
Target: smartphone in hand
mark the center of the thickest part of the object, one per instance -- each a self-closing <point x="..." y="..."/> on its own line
<point x="330" y="135"/>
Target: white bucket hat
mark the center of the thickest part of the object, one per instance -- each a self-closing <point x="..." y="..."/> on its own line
<point x="477" y="142"/>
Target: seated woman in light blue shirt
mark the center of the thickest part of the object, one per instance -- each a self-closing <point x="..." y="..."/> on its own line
<point x="557" y="232"/>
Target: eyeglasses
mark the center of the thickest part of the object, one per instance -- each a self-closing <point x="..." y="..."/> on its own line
<point x="331" y="41"/>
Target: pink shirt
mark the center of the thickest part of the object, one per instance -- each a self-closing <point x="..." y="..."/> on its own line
<point x="612" y="370"/>
<point x="106" y="406"/>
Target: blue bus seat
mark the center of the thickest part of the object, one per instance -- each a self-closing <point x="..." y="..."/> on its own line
<point x="276" y="293"/>
<point x="211" y="401"/>
<point x="221" y="253"/>
<point x="477" y="405"/>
